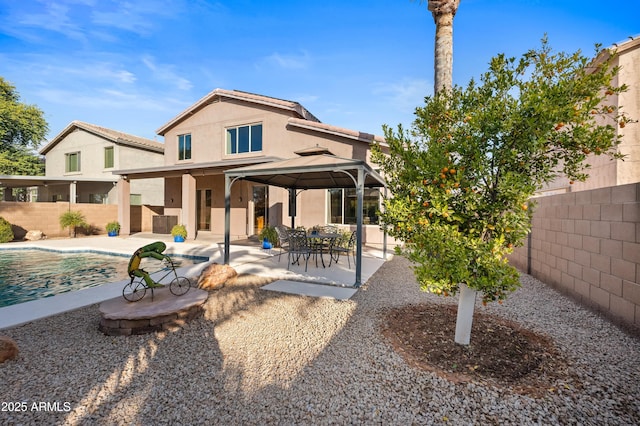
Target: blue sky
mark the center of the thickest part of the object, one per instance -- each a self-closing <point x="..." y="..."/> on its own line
<point x="133" y="65"/>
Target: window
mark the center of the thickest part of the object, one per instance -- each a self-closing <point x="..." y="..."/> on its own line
<point x="184" y="147"/>
<point x="342" y="205"/>
<point x="72" y="162"/>
<point x="135" y="199"/>
<point x="244" y="139"/>
<point x="108" y="157"/>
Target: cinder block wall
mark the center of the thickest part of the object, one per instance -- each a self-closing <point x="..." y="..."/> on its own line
<point x="45" y="217"/>
<point x="587" y="244"/>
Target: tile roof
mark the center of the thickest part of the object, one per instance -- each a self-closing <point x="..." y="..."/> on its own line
<point x="217" y="94"/>
<point x="110" y="134"/>
<point x="334" y="130"/>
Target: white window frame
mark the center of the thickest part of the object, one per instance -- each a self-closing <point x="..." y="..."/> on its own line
<point x="250" y="126"/>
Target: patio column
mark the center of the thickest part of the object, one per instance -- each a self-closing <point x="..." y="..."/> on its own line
<point x="360" y="204"/>
<point x="227" y="217"/>
<point x="189" y="204"/>
<point x="124" y="205"/>
<point x="73" y="192"/>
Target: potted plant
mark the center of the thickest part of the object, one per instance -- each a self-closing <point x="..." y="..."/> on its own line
<point x="113" y="228"/>
<point x="179" y="233"/>
<point x="269" y="237"/>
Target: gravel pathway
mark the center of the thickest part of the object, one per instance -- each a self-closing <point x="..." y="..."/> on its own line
<point x="260" y="357"/>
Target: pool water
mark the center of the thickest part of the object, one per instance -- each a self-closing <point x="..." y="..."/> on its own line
<point x="34" y="274"/>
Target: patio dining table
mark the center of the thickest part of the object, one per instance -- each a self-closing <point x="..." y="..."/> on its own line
<point x="318" y="241"/>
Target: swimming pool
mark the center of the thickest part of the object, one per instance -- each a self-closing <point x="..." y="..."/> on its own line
<point x="30" y="274"/>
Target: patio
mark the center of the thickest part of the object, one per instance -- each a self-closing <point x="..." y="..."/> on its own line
<point x="246" y="257"/>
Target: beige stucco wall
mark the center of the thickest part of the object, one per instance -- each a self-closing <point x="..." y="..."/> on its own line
<point x="629" y="170"/>
<point x="603" y="171"/>
<point x="208" y="134"/>
<point x="91" y="148"/>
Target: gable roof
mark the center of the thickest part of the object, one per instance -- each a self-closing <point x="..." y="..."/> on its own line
<point x="218" y="94"/>
<point x="115" y="136"/>
<point x="334" y="130"/>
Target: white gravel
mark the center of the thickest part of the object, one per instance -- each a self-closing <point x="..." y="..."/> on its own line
<point x="260" y="357"/>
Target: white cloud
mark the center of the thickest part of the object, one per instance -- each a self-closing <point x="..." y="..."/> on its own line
<point x="53" y="17"/>
<point x="290" y="61"/>
<point x="405" y="95"/>
<point x="166" y="73"/>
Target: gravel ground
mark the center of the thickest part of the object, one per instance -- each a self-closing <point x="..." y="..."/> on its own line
<point x="260" y="357"/>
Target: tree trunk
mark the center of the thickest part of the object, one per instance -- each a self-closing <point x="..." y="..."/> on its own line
<point x="443" y="12"/>
<point x="464" y="320"/>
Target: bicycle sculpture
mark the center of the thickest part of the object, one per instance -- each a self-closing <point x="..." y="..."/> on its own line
<point x="141" y="280"/>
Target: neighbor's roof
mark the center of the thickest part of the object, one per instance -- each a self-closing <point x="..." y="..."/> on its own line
<point x="620" y="48"/>
<point x="218" y="94"/>
<point x="109" y="134"/>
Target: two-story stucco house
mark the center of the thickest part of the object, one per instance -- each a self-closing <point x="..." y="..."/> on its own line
<point x="90" y="154"/>
<point x="230" y="129"/>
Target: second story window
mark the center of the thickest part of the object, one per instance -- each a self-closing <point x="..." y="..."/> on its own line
<point x="72" y="162"/>
<point x="108" y="157"/>
<point x="244" y="139"/>
<point x="184" y="147"/>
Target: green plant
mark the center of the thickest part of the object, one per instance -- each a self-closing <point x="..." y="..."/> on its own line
<point x="73" y="220"/>
<point x="179" y="231"/>
<point x="463" y="178"/>
<point x="269" y="232"/>
<point x="6" y="233"/>
<point x="113" y="226"/>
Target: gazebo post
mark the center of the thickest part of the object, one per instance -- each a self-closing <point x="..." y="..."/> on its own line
<point x="227" y="218"/>
<point x="360" y="203"/>
<point x="384" y="233"/>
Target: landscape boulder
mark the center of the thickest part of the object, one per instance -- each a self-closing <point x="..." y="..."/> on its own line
<point x="215" y="276"/>
<point x="8" y="349"/>
<point x="34" y="236"/>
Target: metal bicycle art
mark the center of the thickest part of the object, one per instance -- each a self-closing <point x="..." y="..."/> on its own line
<point x="141" y="280"/>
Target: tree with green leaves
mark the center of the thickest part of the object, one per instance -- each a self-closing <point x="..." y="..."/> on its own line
<point x="22" y="129"/>
<point x="463" y="177"/>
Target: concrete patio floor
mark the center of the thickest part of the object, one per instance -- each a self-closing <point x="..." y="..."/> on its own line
<point x="245" y="257"/>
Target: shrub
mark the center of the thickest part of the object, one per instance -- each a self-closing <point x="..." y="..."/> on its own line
<point x="6" y="233"/>
<point x="73" y="220"/>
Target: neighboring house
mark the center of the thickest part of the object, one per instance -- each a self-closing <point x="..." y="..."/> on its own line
<point x="89" y="154"/>
<point x="228" y="129"/>
<point x="603" y="171"/>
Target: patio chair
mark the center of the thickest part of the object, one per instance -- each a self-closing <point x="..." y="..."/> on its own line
<point x="330" y="229"/>
<point x="283" y="238"/>
<point x="345" y="249"/>
<point x="298" y="246"/>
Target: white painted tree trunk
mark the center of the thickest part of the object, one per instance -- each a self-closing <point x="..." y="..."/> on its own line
<point x="466" y="305"/>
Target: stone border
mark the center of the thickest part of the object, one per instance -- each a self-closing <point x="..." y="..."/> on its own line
<point x="170" y="322"/>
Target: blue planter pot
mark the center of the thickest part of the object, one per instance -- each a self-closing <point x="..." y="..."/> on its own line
<point x="178" y="239"/>
<point x="113" y="233"/>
